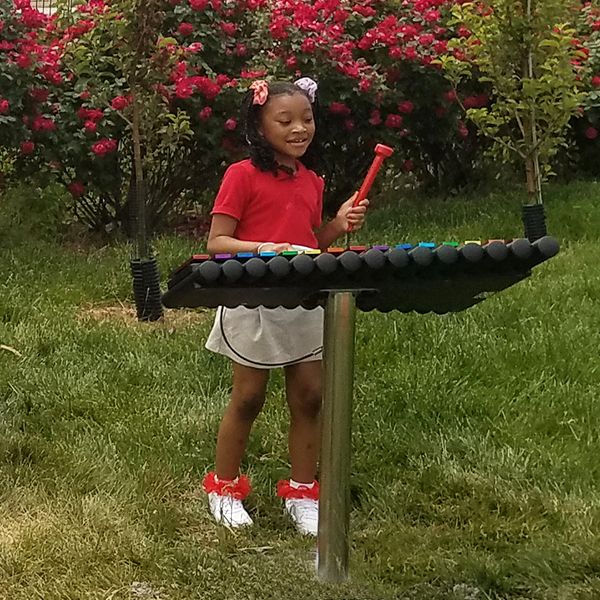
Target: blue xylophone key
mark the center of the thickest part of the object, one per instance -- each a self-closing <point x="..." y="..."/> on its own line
<point x="404" y="246"/>
<point x="267" y="254"/>
<point x="244" y="255"/>
<point x="427" y="245"/>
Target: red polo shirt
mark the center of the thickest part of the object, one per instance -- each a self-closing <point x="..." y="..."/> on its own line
<point x="272" y="208"/>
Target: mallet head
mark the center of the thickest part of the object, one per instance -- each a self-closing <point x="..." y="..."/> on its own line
<point x="383" y="150"/>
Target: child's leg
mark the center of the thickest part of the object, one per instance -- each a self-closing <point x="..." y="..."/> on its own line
<point x="303" y="388"/>
<point x="247" y="399"/>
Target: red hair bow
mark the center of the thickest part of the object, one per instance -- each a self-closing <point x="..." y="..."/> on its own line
<point x="261" y="91"/>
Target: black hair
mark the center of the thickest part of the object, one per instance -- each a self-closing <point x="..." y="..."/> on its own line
<point x="260" y="151"/>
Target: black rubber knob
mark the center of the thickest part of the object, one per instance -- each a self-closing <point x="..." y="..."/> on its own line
<point x="350" y="261"/>
<point x="374" y="259"/>
<point x="447" y="255"/>
<point x="421" y="256"/>
<point x="472" y="253"/>
<point x="255" y="268"/>
<point x="326" y="263"/>
<point x="209" y="271"/>
<point x="496" y="250"/>
<point x="303" y="264"/>
<point x="520" y="248"/>
<point x="397" y="257"/>
<point x="232" y="270"/>
<point x="547" y="246"/>
<point x="279" y="266"/>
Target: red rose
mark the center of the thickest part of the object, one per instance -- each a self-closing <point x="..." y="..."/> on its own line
<point x="104" y="146"/>
<point x="185" y="28"/>
<point x="198" y="4"/>
<point x="463" y="132"/>
<point x="205" y="113"/>
<point x="4" y="106"/>
<point x="228" y="28"/>
<point x="120" y="102"/>
<point x="364" y="85"/>
<point x="394" y="121"/>
<point x="406" y="107"/>
<point x="90" y="126"/>
<point x="27" y="147"/>
<point x="43" y="124"/>
<point x="375" y="118"/>
<point x="76" y="188"/>
<point x="596" y="81"/>
<point x="591" y="133"/>
<point x="23" y="61"/>
<point x="230" y="124"/>
<point x="39" y="94"/>
<point x="339" y="108"/>
<point x="450" y="96"/>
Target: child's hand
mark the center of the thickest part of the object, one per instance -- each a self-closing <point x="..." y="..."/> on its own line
<point x="352" y="218"/>
<point x="269" y="247"/>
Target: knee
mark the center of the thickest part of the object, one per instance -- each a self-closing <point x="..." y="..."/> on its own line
<point x="248" y="406"/>
<point x="307" y="403"/>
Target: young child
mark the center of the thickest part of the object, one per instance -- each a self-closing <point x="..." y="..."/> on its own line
<point x="273" y="202"/>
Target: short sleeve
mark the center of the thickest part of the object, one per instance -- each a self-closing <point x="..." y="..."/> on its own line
<point x="234" y="192"/>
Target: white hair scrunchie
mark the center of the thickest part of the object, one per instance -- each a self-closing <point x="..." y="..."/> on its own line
<point x="309" y="86"/>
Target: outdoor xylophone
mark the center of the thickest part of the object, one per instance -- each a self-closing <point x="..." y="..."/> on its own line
<point x="425" y="277"/>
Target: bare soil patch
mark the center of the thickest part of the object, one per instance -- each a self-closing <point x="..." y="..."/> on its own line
<point x="125" y="314"/>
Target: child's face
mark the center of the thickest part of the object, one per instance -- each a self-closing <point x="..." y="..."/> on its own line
<point x="287" y="123"/>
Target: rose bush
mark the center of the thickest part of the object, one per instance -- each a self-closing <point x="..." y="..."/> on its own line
<point x="379" y="82"/>
<point x="585" y="131"/>
<point x="69" y="103"/>
<point x="28" y="78"/>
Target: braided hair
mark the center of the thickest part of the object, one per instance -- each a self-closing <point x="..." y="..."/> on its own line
<point x="260" y="151"/>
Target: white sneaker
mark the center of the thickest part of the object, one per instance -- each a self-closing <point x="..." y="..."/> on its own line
<point x="304" y="513"/>
<point x="228" y="510"/>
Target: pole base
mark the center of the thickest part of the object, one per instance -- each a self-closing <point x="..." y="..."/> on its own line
<point x="534" y="220"/>
<point x="146" y="289"/>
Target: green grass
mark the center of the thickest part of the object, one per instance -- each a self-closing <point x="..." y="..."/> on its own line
<point x="475" y="435"/>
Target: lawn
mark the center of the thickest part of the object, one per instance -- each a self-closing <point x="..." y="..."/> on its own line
<point x="475" y="436"/>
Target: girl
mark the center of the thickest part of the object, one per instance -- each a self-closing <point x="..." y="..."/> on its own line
<point x="273" y="202"/>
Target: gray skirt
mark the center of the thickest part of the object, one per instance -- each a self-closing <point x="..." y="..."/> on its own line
<point x="266" y="338"/>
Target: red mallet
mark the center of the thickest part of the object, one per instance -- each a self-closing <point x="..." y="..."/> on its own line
<point x="382" y="152"/>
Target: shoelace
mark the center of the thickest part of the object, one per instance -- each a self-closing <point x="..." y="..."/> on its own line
<point x="231" y="507"/>
<point x="307" y="509"/>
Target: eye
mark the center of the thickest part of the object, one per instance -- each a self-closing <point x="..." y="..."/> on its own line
<point x="284" y="122"/>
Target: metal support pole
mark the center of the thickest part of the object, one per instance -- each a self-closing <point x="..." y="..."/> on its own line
<point x="334" y="503"/>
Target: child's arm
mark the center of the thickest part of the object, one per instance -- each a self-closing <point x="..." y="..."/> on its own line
<point x="221" y="240"/>
<point x="347" y="217"/>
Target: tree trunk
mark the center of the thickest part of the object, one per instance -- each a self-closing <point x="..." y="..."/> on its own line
<point x="140" y="191"/>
